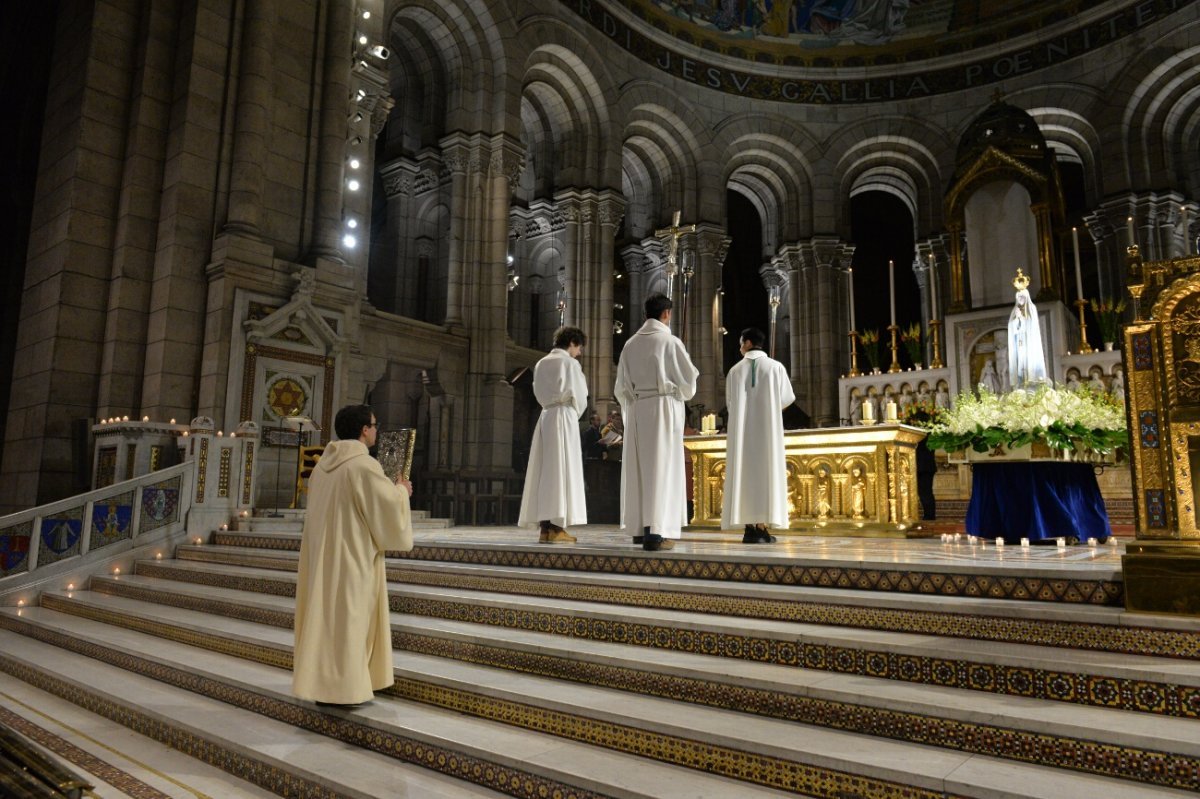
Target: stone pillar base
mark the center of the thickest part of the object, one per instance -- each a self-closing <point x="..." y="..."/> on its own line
<point x="1162" y="577"/>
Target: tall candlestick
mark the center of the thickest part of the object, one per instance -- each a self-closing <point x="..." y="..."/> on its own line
<point x="1078" y="273"/>
<point x="1129" y="230"/>
<point x="933" y="306"/>
<point x="892" y="287"/>
<point x="853" y="326"/>
<point x="1187" y="245"/>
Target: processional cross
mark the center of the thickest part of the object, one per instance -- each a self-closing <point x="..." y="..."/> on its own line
<point x="673" y="234"/>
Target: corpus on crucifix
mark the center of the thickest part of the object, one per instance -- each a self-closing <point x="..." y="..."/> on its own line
<point x="673" y="233"/>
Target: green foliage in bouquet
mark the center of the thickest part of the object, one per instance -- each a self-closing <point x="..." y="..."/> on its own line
<point x="1108" y="317"/>
<point x="870" y="344"/>
<point x="910" y="337"/>
<point x="1061" y="419"/>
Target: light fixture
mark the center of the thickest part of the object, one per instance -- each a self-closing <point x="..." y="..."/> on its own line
<point x="352" y="185"/>
<point x="352" y="223"/>
<point x="380" y="52"/>
<point x="356" y="140"/>
<point x="510" y="259"/>
<point x="358" y="117"/>
<point x="355" y="163"/>
<point x="362" y="38"/>
<point x="349" y="241"/>
<point x="366" y="14"/>
<point x="360" y="95"/>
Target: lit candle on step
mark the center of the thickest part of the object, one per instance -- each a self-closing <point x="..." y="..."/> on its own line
<point x="999" y="543"/>
<point x="1024" y="543"/>
<point x="868" y="411"/>
<point x="891" y="411"/>
<point x="1061" y="542"/>
<point x="1091" y="542"/>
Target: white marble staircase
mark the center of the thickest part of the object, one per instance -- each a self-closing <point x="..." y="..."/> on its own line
<point x="542" y="682"/>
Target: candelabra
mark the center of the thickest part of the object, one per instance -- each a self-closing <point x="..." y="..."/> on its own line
<point x="854" y="354"/>
<point x="895" y="367"/>
<point x="1081" y="303"/>
<point x="935" y="344"/>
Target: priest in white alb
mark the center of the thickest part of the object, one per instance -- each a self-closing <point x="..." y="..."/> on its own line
<point x="553" y="498"/>
<point x="343" y="648"/>
<point x="655" y="377"/>
<point x="757" y="390"/>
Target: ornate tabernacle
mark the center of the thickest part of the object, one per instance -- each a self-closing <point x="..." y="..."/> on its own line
<point x="1162" y="359"/>
<point x="857" y="481"/>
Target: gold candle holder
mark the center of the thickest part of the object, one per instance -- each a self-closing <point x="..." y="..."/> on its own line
<point x="935" y="338"/>
<point x="1081" y="303"/>
<point x="854" y="354"/>
<point x="895" y="367"/>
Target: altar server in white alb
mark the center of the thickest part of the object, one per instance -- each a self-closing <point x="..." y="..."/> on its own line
<point x="655" y="377"/>
<point x="553" y="498"/>
<point x="757" y="390"/>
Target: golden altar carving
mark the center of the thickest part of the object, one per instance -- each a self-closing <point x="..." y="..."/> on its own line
<point x="858" y="481"/>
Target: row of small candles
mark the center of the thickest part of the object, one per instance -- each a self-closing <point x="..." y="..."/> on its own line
<point x="974" y="540"/>
<point x="115" y="419"/>
<point x="116" y="571"/>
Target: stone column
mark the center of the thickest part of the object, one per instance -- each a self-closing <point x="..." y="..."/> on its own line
<point x="456" y="157"/>
<point x="391" y="258"/>
<point x="610" y="208"/>
<point x="819" y="322"/>
<point x="709" y="245"/>
<point x="331" y="155"/>
<point x="253" y="120"/>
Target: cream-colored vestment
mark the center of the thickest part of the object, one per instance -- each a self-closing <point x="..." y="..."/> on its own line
<point x="343" y="636"/>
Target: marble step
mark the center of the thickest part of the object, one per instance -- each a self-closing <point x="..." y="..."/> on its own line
<point x="1079" y="576"/>
<point x="928" y="715"/>
<point x="1072" y="625"/>
<point x="488" y="752"/>
<point x="271" y="753"/>
<point x="1077" y="676"/>
<point x="761" y="750"/>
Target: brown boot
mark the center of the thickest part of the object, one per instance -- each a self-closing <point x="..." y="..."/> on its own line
<point x="558" y="535"/>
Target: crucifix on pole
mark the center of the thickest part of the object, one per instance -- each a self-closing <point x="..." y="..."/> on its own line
<point x="673" y="233"/>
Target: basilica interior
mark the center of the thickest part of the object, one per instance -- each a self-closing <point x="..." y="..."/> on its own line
<point x="226" y="219"/>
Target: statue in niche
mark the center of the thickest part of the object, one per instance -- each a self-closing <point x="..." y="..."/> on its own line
<point x="941" y="399"/>
<point x="821" y="504"/>
<point x="1026" y="362"/>
<point x="1072" y="383"/>
<point x="988" y="379"/>
<point x="1117" y="388"/>
<point x="858" y="494"/>
<point x="1096" y="383"/>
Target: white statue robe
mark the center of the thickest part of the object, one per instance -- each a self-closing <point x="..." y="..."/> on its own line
<point x="655" y="377"/>
<point x="757" y="390"/>
<point x="1026" y="362"/>
<point x="343" y="650"/>
<point x="554" y="477"/>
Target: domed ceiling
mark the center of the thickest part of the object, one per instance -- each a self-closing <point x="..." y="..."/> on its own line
<point x="863" y="51"/>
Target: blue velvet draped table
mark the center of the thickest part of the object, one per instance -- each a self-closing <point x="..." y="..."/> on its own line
<point x="1036" y="500"/>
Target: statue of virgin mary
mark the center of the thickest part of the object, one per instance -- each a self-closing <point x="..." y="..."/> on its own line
<point x="1026" y="363"/>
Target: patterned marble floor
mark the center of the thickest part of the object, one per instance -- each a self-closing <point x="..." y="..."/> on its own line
<point x="1078" y="560"/>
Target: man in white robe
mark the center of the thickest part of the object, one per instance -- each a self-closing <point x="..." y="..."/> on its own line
<point x="553" y="498"/>
<point x="757" y="389"/>
<point x="655" y="378"/>
<point x="343" y="647"/>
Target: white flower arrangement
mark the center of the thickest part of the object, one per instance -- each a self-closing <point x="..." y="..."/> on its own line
<point x="1059" y="418"/>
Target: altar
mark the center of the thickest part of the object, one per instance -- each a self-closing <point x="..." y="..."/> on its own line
<point x="846" y="481"/>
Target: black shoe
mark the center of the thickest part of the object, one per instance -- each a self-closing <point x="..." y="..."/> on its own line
<point x="343" y="706"/>
<point x="653" y="542"/>
<point x="751" y="535"/>
<point x="639" y="539"/>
